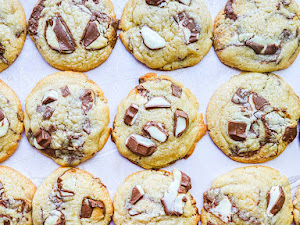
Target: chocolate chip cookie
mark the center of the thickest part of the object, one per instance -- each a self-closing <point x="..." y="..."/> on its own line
<point x="296" y="204"/>
<point x="76" y="35"/>
<point x="11" y="121"/>
<point x="16" y="194"/>
<point x="71" y="196"/>
<point x="66" y="118"/>
<point x="167" y="34"/>
<point x="158" y="122"/>
<point x="249" y="195"/>
<point x="253" y="117"/>
<point x="13" y="31"/>
<point x="156" y="197"/>
<point x="258" y="36"/>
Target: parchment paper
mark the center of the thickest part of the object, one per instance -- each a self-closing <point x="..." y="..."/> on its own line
<point x="117" y="76"/>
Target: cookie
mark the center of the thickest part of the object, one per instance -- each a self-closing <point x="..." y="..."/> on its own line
<point x="156" y="197"/>
<point x="258" y="36"/>
<point x="13" y="31"/>
<point x="248" y="195"/>
<point x="67" y="118"/>
<point x="158" y="122"/>
<point x="253" y="117"/>
<point x="77" y="35"/>
<point x="166" y="34"/>
<point x="16" y="194"/>
<point x="11" y="121"/>
<point x="71" y="196"/>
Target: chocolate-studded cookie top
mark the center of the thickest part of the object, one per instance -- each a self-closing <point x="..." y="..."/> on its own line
<point x="258" y="36"/>
<point x="256" y="116"/>
<point x="166" y="34"/>
<point x="156" y="195"/>
<point x="70" y="194"/>
<point x="67" y="118"/>
<point x="65" y="31"/>
<point x="158" y="116"/>
<point x="249" y="195"/>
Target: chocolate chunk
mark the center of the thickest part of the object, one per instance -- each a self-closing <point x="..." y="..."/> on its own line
<point x="140" y="145"/>
<point x="255" y="46"/>
<point x="50" y="96"/>
<point x="181" y="122"/>
<point x="290" y="134"/>
<point x="237" y="130"/>
<point x="76" y="141"/>
<point x="142" y="91"/>
<point x="154" y="2"/>
<point x="86" y="126"/>
<point x="2" y="51"/>
<point x="152" y="39"/>
<point x="65" y="91"/>
<point x="34" y="18"/>
<point x="52" y="128"/>
<point x="157" y="131"/>
<point x="87" y="100"/>
<point x="91" y="34"/>
<point x="259" y="102"/>
<point x="2" y="116"/>
<point x="191" y="30"/>
<point x="229" y="12"/>
<point x="48" y="113"/>
<point x="241" y="96"/>
<point x="185" y="2"/>
<point x="88" y="206"/>
<point x="6" y="222"/>
<point x="131" y="115"/>
<point x="270" y="49"/>
<point x="43" y="138"/>
<point x="158" y="102"/>
<point x="275" y="200"/>
<point x="137" y="194"/>
<point x="176" y="90"/>
<point x="185" y="184"/>
<point x="64" y="42"/>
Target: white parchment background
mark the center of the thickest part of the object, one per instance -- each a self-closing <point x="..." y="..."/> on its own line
<point x="117" y="76"/>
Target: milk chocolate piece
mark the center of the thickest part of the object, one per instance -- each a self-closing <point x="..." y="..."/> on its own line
<point x="290" y="134"/>
<point x="43" y="138"/>
<point x="137" y="194"/>
<point x="185" y="184"/>
<point x="140" y="145"/>
<point x="2" y="51"/>
<point x="276" y="197"/>
<point x="181" y="122"/>
<point x="131" y="115"/>
<point x="241" y="96"/>
<point x="259" y="101"/>
<point x="158" y="102"/>
<point x="86" y="126"/>
<point x="258" y="48"/>
<point x="65" y="91"/>
<point x="237" y="130"/>
<point x="142" y="91"/>
<point x="87" y="100"/>
<point x="157" y="131"/>
<point x="50" y="96"/>
<point x="154" y="2"/>
<point x="34" y="18"/>
<point x="88" y="206"/>
<point x="64" y="37"/>
<point x="176" y="90"/>
<point x="1" y="115"/>
<point x="48" y="113"/>
<point x="52" y="128"/>
<point x="229" y="12"/>
<point x="186" y="22"/>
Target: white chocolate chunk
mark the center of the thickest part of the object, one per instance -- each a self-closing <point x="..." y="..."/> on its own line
<point x="50" y="93"/>
<point x="142" y="140"/>
<point x="54" y="218"/>
<point x="4" y="125"/>
<point x="36" y="144"/>
<point x="152" y="39"/>
<point x="223" y="210"/>
<point x="181" y="125"/>
<point x="51" y="37"/>
<point x="158" y="102"/>
<point x="275" y="199"/>
<point x="157" y="134"/>
<point x="173" y="202"/>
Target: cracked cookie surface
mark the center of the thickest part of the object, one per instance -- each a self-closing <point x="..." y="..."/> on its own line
<point x="76" y="35"/>
<point x="67" y="118"/>
<point x="12" y="31"/>
<point x="11" y="121"/>
<point x="71" y="196"/>
<point x="158" y="122"/>
<point x="156" y="197"/>
<point x="253" y="117"/>
<point x="16" y="194"/>
<point x="258" y="35"/>
<point x="166" y="34"/>
<point x="248" y="196"/>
